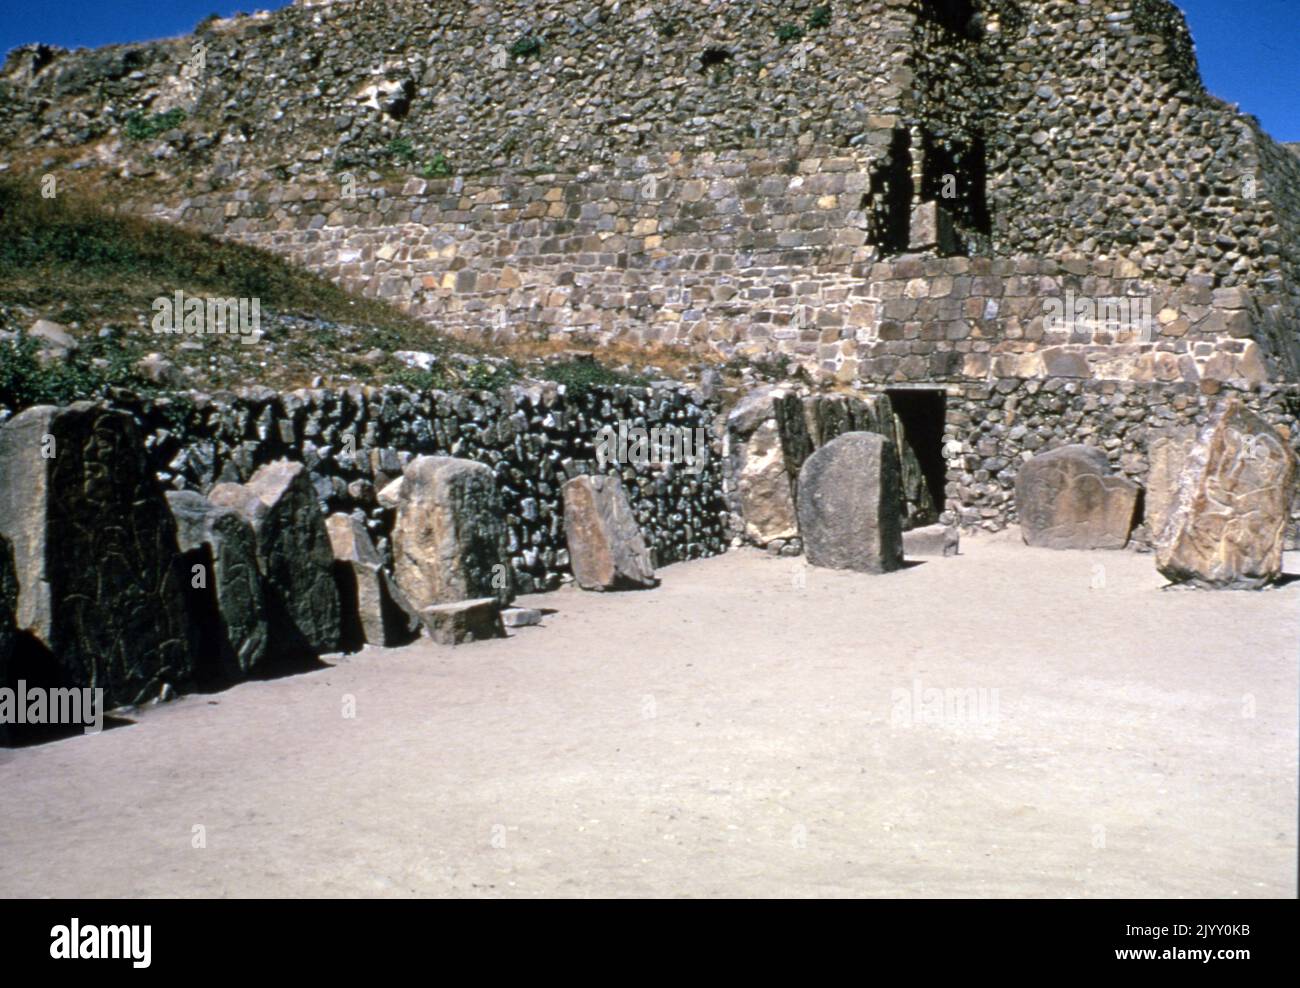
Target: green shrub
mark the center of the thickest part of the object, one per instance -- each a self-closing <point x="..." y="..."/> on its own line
<point x="26" y="381"/>
<point x="526" y="47"/>
<point x="821" y="17"/>
<point x="789" y="32"/>
<point x="581" y="376"/>
<point x="437" y="167"/>
<point x="400" y="148"/>
<point x="435" y="378"/>
<point x="488" y="377"/>
<point x="139" y="127"/>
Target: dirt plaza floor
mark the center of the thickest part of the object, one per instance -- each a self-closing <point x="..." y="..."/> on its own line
<point x="1009" y="722"/>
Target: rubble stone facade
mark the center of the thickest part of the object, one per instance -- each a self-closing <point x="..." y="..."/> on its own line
<point x="896" y="193"/>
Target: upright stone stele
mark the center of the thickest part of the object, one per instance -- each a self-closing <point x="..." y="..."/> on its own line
<point x="95" y="551"/>
<point x="374" y="609"/>
<point x="8" y="625"/>
<point x="606" y="548"/>
<point x="1228" y="519"/>
<point x="1167" y="451"/>
<point x="293" y="551"/>
<point x="767" y="442"/>
<point x="230" y="607"/>
<point x="1067" y="498"/>
<point x="851" y="505"/>
<point x="449" y="537"/>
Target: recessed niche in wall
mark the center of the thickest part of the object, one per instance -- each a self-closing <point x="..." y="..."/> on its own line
<point x="954" y="173"/>
<point x="888" y="204"/>
<point x="957" y="16"/>
<point x="712" y="57"/>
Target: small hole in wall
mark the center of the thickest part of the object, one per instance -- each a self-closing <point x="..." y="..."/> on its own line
<point x="957" y="16"/>
<point x="713" y="57"/>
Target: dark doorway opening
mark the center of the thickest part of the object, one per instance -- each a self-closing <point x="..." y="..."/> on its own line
<point x="920" y="413"/>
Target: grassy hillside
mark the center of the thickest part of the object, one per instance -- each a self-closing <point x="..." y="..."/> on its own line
<point x="71" y="260"/>
<point x="76" y="261"/>
<point x="73" y="253"/>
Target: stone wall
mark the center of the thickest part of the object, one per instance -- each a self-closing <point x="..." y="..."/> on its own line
<point x="717" y="248"/>
<point x="990" y="428"/>
<point x="1104" y="143"/>
<point x="983" y="319"/>
<point x="605" y="78"/>
<point x="748" y="254"/>
<point x="611" y="178"/>
<point x="534" y="437"/>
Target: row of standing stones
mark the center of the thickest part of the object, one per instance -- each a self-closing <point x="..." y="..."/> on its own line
<point x="107" y="580"/>
<point x="1218" y="502"/>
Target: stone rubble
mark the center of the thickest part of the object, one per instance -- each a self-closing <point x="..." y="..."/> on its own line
<point x="521" y="617"/>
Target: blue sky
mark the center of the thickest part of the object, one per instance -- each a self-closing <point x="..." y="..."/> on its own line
<point x="1249" y="49"/>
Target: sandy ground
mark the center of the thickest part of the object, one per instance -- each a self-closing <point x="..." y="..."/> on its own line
<point x="731" y="733"/>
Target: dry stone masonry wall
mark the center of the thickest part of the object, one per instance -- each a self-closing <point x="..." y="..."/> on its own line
<point x="892" y="192"/>
<point x="689" y="172"/>
<point x="355" y="443"/>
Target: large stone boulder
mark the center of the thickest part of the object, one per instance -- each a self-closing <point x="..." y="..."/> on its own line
<point x="606" y="549"/>
<point x="374" y="609"/>
<point x="1167" y="451"/>
<point x="449" y="538"/>
<point x="95" y="552"/>
<point x="850" y="504"/>
<point x="767" y="442"/>
<point x="294" y="555"/>
<point x="1067" y="498"/>
<point x="227" y="602"/>
<point x="1229" y="515"/>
